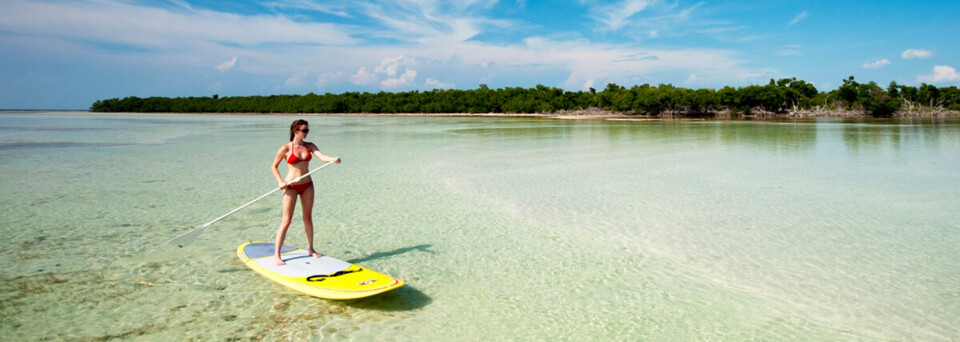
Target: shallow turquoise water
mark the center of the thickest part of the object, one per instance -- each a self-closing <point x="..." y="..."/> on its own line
<point x="502" y="228"/>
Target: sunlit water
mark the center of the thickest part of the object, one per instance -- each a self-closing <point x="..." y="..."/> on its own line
<point x="502" y="228"/>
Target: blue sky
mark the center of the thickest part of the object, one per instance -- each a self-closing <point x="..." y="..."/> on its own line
<point x="67" y="54"/>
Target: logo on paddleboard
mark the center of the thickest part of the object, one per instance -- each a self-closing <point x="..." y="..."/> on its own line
<point x="366" y="282"/>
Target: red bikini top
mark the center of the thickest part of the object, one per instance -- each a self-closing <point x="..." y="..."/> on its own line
<point x="293" y="159"/>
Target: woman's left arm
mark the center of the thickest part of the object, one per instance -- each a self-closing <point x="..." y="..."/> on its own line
<point x="323" y="157"/>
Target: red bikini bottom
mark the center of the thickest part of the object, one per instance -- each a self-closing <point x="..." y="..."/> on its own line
<point x="300" y="188"/>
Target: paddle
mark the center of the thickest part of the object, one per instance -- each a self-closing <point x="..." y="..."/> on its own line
<point x="188" y="237"/>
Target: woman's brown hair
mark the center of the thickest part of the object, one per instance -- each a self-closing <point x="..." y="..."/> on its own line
<point x="295" y="126"/>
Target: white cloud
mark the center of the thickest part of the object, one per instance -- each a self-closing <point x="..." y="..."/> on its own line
<point x="751" y="38"/>
<point x="877" y="65"/>
<point x="363" y="77"/>
<point x="916" y="53"/>
<point x="327" y="78"/>
<point x="617" y="63"/>
<point x="666" y="17"/>
<point x="588" y="84"/>
<point x="405" y="79"/>
<point x="434" y="84"/>
<point x="296" y="80"/>
<point x="223" y="67"/>
<point x="615" y="16"/>
<point x="394" y="71"/>
<point x="183" y="4"/>
<point x="389" y="66"/>
<point x="121" y="22"/>
<point x="940" y="74"/>
<point x="427" y="22"/>
<point x="800" y="17"/>
<point x="435" y="39"/>
<point x="722" y="29"/>
<point x="788" y="52"/>
<point x="334" y="8"/>
<point x="691" y="79"/>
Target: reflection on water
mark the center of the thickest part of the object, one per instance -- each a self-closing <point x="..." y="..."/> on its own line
<point x="53" y="129"/>
<point x="784" y="137"/>
<point x="857" y="134"/>
<point x="52" y="144"/>
<point x="892" y="134"/>
<point x="513" y="229"/>
<point x="767" y="135"/>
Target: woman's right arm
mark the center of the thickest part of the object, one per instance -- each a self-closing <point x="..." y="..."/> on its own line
<point x="282" y="152"/>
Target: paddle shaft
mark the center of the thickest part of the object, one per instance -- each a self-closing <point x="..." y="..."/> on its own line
<point x="205" y="225"/>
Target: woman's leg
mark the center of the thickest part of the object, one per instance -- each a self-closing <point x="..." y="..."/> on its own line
<point x="289" y="202"/>
<point x="306" y="201"/>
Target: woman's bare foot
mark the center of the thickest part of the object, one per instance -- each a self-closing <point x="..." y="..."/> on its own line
<point x="315" y="254"/>
<point x="277" y="260"/>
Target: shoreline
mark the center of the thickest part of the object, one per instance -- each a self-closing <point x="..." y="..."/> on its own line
<point x="621" y="116"/>
<point x="593" y="114"/>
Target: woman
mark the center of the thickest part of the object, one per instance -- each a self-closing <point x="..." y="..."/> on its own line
<point x="297" y="154"/>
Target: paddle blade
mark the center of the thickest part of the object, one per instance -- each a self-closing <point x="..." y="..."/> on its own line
<point x="187" y="238"/>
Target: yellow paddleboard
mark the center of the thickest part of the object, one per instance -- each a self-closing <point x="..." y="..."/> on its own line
<point x="325" y="277"/>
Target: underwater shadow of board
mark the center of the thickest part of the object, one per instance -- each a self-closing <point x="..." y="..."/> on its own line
<point x="402" y="299"/>
<point x="398" y="251"/>
<point x="405" y="298"/>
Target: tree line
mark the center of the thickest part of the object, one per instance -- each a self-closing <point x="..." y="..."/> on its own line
<point x="783" y="96"/>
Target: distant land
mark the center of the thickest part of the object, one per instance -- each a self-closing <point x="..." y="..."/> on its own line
<point x="787" y="97"/>
<point x="43" y="110"/>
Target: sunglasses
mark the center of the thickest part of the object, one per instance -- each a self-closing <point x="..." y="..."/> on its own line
<point x="305" y="130"/>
